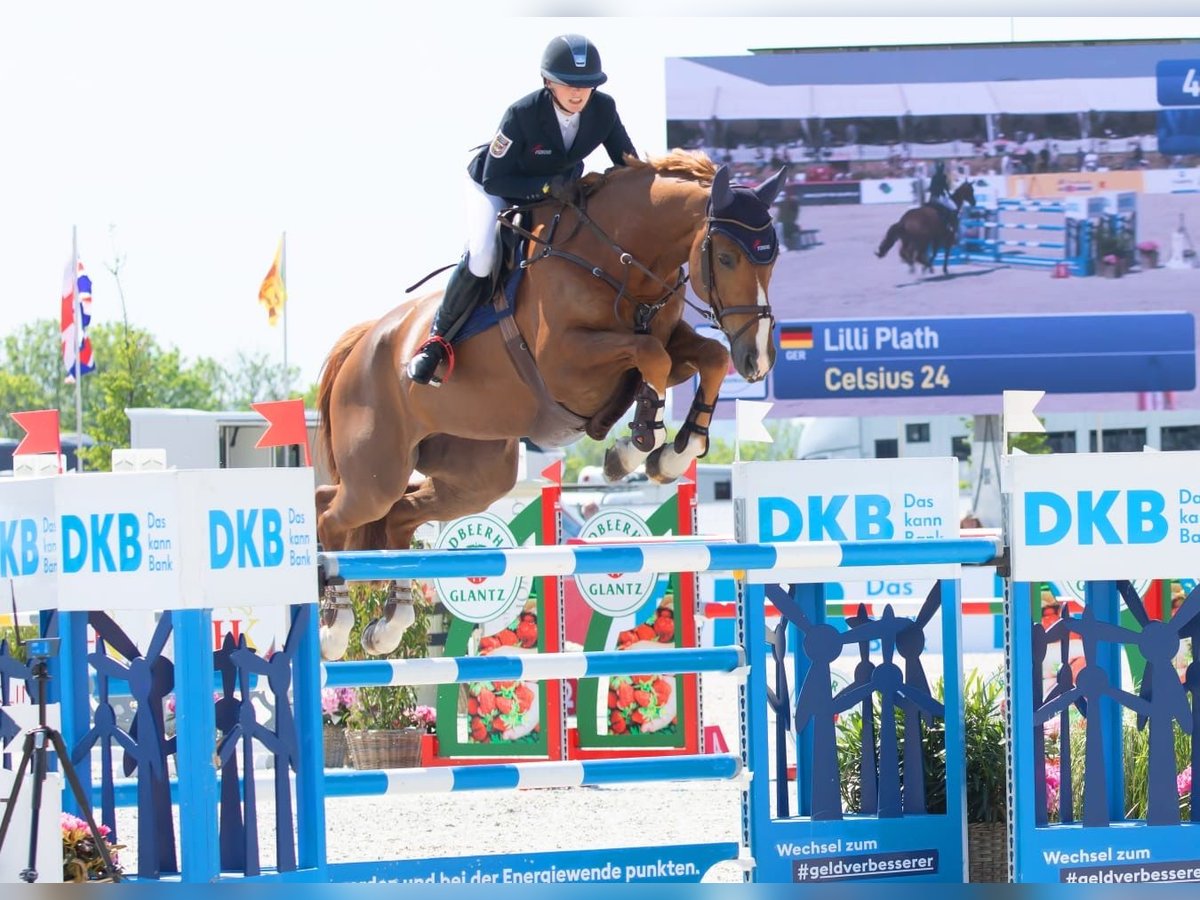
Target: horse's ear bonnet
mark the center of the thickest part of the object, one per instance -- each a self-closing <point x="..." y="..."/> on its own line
<point x="743" y="215"/>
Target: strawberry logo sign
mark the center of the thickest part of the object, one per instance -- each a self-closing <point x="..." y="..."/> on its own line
<point x="479" y="599"/>
<point x="615" y="593"/>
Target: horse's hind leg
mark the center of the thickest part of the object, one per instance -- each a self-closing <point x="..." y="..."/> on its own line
<point x="462" y="477"/>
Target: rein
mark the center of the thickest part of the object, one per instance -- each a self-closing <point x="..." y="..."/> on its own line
<point x="644" y="311"/>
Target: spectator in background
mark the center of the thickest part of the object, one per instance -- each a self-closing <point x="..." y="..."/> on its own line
<point x="1136" y="159"/>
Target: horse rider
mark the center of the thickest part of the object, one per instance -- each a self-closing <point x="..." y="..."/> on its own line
<point x="939" y="196"/>
<point x="538" y="150"/>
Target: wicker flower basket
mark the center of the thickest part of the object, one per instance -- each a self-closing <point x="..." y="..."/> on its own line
<point x="384" y="749"/>
<point x="987" y="852"/>
<point x="335" y="746"/>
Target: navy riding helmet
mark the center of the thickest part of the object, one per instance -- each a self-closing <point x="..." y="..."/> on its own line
<point x="574" y="60"/>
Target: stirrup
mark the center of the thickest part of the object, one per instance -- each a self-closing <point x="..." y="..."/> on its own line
<point x="435" y="340"/>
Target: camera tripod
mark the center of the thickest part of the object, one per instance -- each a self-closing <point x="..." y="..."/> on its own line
<point x="37" y="741"/>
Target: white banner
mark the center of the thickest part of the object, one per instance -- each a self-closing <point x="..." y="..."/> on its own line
<point x="1105" y="516"/>
<point x="848" y="500"/>
<point x="120" y="541"/>
<point x="891" y="190"/>
<point x="160" y="540"/>
<point x="1171" y="181"/>
<point x="250" y="537"/>
<point x="29" y="541"/>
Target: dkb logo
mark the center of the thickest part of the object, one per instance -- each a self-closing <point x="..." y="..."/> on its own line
<point x="254" y="535"/>
<point x="18" y="547"/>
<point x="782" y="519"/>
<point x="1050" y="517"/>
<point x="111" y="541"/>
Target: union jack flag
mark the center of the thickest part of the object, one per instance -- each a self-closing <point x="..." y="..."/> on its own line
<point x="77" y="349"/>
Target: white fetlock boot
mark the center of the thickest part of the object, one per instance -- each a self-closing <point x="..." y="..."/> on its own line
<point x="337" y="620"/>
<point x="382" y="636"/>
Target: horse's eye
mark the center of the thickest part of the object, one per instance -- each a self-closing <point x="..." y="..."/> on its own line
<point x="725" y="259"/>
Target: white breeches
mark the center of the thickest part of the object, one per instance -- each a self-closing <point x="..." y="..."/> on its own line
<point x="481" y="212"/>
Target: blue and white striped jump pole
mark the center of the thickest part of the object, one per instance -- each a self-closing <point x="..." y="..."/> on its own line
<point x="530" y="667"/>
<point x="499" y="777"/>
<point x="382" y="565"/>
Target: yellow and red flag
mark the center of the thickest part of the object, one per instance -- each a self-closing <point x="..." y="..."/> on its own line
<point x="273" y="293"/>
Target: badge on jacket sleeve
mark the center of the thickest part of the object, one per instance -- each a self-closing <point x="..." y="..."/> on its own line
<point x="500" y="145"/>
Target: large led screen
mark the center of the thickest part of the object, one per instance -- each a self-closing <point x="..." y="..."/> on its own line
<point x="1074" y="260"/>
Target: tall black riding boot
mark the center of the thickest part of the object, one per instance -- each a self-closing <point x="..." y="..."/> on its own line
<point x="464" y="292"/>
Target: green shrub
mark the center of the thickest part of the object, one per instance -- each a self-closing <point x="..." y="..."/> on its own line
<point x="986" y="769"/>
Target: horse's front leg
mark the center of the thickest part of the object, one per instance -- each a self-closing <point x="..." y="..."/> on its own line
<point x="690" y="353"/>
<point x="597" y="351"/>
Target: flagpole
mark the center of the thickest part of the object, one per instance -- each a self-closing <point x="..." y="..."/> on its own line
<point x="77" y="338"/>
<point x="283" y="278"/>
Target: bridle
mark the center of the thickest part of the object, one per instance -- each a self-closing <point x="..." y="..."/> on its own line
<point x="645" y="310"/>
<point x="725" y="226"/>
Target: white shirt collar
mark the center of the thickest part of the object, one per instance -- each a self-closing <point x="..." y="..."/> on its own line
<point x="569" y="126"/>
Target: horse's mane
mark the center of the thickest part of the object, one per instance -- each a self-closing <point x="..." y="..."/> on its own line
<point x="690" y="165"/>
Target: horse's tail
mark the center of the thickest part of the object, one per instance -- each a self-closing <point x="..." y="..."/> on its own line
<point x="893" y="235"/>
<point x="333" y="364"/>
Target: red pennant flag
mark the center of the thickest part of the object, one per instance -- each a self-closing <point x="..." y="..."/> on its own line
<point x="286" y="425"/>
<point x="41" y="432"/>
<point x="553" y="472"/>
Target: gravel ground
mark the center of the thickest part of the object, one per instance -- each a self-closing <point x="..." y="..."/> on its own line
<point x="440" y="825"/>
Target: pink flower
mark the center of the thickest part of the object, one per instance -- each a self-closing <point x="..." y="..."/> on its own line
<point x="1053" y="783"/>
<point x="1183" y="782"/>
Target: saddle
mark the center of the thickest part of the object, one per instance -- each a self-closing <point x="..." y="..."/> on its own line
<point x="948" y="217"/>
<point x="555" y="425"/>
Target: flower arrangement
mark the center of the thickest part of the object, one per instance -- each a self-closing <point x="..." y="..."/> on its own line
<point x="81" y="857"/>
<point x="383" y="708"/>
<point x="423" y="717"/>
<point x="1137" y="766"/>
<point x="336" y="705"/>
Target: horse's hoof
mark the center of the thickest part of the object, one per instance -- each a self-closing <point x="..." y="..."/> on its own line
<point x="614" y="466"/>
<point x="654" y="468"/>
<point x="334" y="644"/>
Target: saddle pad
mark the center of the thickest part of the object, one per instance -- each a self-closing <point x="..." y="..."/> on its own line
<point x="485" y="315"/>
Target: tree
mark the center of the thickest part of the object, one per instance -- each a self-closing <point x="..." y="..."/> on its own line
<point x="132" y="370"/>
<point x="253" y="378"/>
<point x="31" y="372"/>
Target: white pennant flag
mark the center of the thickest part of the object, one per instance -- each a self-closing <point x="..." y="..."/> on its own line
<point x="1019" y="417"/>
<point x="750" y="415"/>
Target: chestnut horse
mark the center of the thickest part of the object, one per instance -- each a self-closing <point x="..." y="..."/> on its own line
<point x="600" y="310"/>
<point x="924" y="231"/>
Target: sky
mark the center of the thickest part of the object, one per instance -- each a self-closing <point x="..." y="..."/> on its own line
<point x="183" y="140"/>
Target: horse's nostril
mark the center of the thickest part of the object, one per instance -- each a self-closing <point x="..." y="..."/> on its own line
<point x="750" y="362"/>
